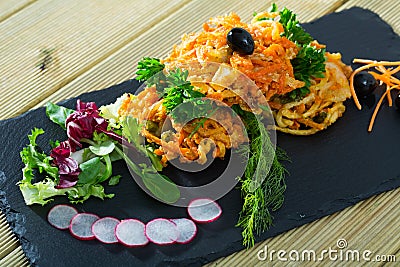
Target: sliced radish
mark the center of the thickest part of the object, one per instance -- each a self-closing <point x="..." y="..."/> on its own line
<point x="161" y="231"/>
<point x="61" y="215"/>
<point x="187" y="230"/>
<point x="204" y="210"/>
<point x="81" y="225"/>
<point x="131" y="233"/>
<point x="104" y="230"/>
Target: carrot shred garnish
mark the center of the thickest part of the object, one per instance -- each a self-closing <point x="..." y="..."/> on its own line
<point x="383" y="73"/>
<point x="371" y="123"/>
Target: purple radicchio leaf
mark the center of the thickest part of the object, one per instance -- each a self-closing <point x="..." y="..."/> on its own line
<point x="68" y="168"/>
<point x="83" y="122"/>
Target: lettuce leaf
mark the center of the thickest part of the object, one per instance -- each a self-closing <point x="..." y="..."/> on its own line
<point x="58" y="114"/>
<point x="42" y="192"/>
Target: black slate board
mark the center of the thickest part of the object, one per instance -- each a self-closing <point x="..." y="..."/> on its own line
<point x="329" y="171"/>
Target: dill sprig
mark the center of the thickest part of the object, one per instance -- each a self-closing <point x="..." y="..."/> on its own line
<point x="262" y="191"/>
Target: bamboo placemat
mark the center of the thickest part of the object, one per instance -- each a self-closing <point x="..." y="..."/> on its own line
<point x="98" y="44"/>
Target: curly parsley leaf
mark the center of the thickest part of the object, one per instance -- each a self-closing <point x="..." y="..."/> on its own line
<point x="309" y="62"/>
<point x="148" y="67"/>
<point x="179" y="90"/>
<point x="292" y="29"/>
<point x="150" y="70"/>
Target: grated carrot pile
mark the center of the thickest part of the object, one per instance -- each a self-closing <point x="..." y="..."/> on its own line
<point x="269" y="66"/>
<point x="384" y="73"/>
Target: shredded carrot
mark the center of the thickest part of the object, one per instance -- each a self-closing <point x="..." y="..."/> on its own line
<point x="383" y="73"/>
<point x="371" y="123"/>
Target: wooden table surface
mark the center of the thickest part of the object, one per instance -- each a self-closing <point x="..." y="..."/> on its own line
<point x="97" y="44"/>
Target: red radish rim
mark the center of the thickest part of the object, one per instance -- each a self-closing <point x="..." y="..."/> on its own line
<point x="193" y="236"/>
<point x="80" y="237"/>
<point x="106" y="218"/>
<point x="211" y="201"/>
<point x="162" y="244"/>
<point x="130" y="245"/>
<point x="57" y="206"/>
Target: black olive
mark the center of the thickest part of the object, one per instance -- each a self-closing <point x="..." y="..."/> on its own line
<point x="240" y="40"/>
<point x="364" y="83"/>
<point x="320" y="117"/>
<point x="397" y="101"/>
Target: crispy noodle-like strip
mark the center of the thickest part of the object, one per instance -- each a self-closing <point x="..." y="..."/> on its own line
<point x="322" y="107"/>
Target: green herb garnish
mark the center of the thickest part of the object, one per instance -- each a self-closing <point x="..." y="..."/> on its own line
<point x="309" y="62"/>
<point x="179" y="89"/>
<point x="262" y="191"/>
<point x="148" y="67"/>
<point x="292" y="29"/>
<point x="150" y="70"/>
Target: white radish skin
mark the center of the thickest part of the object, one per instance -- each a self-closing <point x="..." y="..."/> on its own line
<point x="187" y="230"/>
<point x="161" y="231"/>
<point x="204" y="210"/>
<point x="60" y="216"/>
<point x="131" y="233"/>
<point x="104" y="230"/>
<point x="81" y="226"/>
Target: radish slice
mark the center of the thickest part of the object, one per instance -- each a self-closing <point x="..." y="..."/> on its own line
<point x="61" y="215"/>
<point x="104" y="230"/>
<point x="131" y="233"/>
<point x="161" y="231"/>
<point x="204" y="210"/>
<point x="81" y="225"/>
<point x="187" y="230"/>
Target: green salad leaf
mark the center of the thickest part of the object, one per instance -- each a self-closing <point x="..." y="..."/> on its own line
<point x="58" y="114"/>
<point x="43" y="191"/>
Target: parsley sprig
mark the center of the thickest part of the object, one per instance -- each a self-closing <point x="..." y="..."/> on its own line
<point x="150" y="70"/>
<point x="292" y="29"/>
<point x="175" y="88"/>
<point x="179" y="90"/>
<point x="147" y="68"/>
<point x="309" y="62"/>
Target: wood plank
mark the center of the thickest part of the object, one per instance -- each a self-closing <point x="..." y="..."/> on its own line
<point x="8" y="241"/>
<point x="83" y="33"/>
<point x="10" y="7"/>
<point x="14" y="258"/>
<point x="158" y="41"/>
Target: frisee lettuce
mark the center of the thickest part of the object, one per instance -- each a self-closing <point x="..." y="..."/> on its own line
<point x="43" y="192"/>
